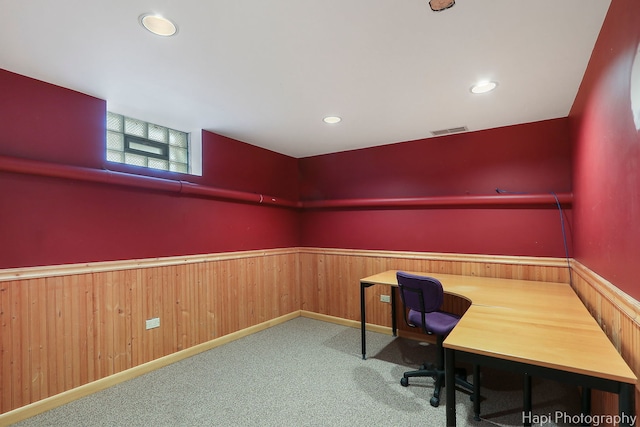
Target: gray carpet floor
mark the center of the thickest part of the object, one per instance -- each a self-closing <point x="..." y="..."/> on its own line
<point x="303" y="373"/>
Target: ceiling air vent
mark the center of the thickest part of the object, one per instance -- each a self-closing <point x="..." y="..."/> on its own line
<point x="449" y="131"/>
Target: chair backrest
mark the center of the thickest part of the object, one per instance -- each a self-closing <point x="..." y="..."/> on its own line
<point x="420" y="293"/>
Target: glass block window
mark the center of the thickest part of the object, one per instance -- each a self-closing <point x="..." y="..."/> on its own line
<point x="139" y="143"/>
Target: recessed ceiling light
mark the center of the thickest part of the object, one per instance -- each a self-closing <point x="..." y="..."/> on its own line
<point x="483" y="87"/>
<point x="158" y="25"/>
<point x="331" y="119"/>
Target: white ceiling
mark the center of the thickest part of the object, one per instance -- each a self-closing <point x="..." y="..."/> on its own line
<point x="267" y="71"/>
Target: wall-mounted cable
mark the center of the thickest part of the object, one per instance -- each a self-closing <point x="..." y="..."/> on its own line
<point x="562" y="225"/>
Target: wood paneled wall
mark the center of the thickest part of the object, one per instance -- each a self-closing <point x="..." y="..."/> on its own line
<point x="330" y="286"/>
<point x="619" y="316"/>
<point x="330" y="277"/>
<point x="63" y="327"/>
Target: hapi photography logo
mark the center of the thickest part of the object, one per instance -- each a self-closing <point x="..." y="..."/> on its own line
<point x="563" y="418"/>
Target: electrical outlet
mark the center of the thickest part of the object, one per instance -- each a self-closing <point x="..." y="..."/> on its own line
<point x="385" y="298"/>
<point x="153" y="323"/>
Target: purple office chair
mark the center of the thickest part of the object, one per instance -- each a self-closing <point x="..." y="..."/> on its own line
<point x="422" y="299"/>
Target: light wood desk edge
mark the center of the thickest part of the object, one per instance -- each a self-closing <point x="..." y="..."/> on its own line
<point x="610" y="375"/>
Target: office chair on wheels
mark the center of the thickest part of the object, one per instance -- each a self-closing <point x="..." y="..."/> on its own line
<point x="422" y="298"/>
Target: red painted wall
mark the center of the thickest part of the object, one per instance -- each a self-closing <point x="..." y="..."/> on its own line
<point x="530" y="158"/>
<point x="48" y="221"/>
<point x="607" y="155"/>
<point x="41" y="121"/>
<point x="53" y="221"/>
<point x="526" y="232"/>
<point x="236" y="165"/>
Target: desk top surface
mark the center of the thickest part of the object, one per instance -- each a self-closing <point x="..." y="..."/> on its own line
<point x="539" y="323"/>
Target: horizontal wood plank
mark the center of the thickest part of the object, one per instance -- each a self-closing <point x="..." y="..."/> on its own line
<point x="86" y="322"/>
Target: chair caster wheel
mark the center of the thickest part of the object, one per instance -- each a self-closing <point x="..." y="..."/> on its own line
<point x="404" y="382"/>
<point x="435" y="402"/>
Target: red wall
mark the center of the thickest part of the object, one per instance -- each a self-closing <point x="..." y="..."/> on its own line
<point x="51" y="221"/>
<point x="48" y="221"/>
<point x="531" y="158"/>
<point x="509" y="231"/>
<point x="41" y="121"/>
<point x="607" y="155"/>
<point x="235" y="165"/>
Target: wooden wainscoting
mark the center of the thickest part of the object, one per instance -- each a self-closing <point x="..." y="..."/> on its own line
<point x="65" y="328"/>
<point x="330" y="278"/>
<point x="62" y="327"/>
<point x="618" y="315"/>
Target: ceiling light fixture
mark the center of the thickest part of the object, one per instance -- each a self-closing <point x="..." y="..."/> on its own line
<point x="331" y="119"/>
<point x="483" y="87"/>
<point x="440" y="5"/>
<point x="158" y="25"/>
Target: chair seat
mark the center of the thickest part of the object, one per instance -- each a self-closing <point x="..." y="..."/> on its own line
<point x="437" y="322"/>
<point x="422" y="297"/>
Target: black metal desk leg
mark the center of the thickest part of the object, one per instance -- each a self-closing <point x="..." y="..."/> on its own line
<point x="476" y="392"/>
<point x="626" y="405"/>
<point x="363" y="322"/>
<point x="450" y="385"/>
<point x="526" y="396"/>
<point x="585" y="405"/>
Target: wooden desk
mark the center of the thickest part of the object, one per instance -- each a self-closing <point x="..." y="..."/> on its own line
<point x="536" y="328"/>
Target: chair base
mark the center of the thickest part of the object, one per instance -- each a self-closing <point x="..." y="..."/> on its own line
<point x="438" y="376"/>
